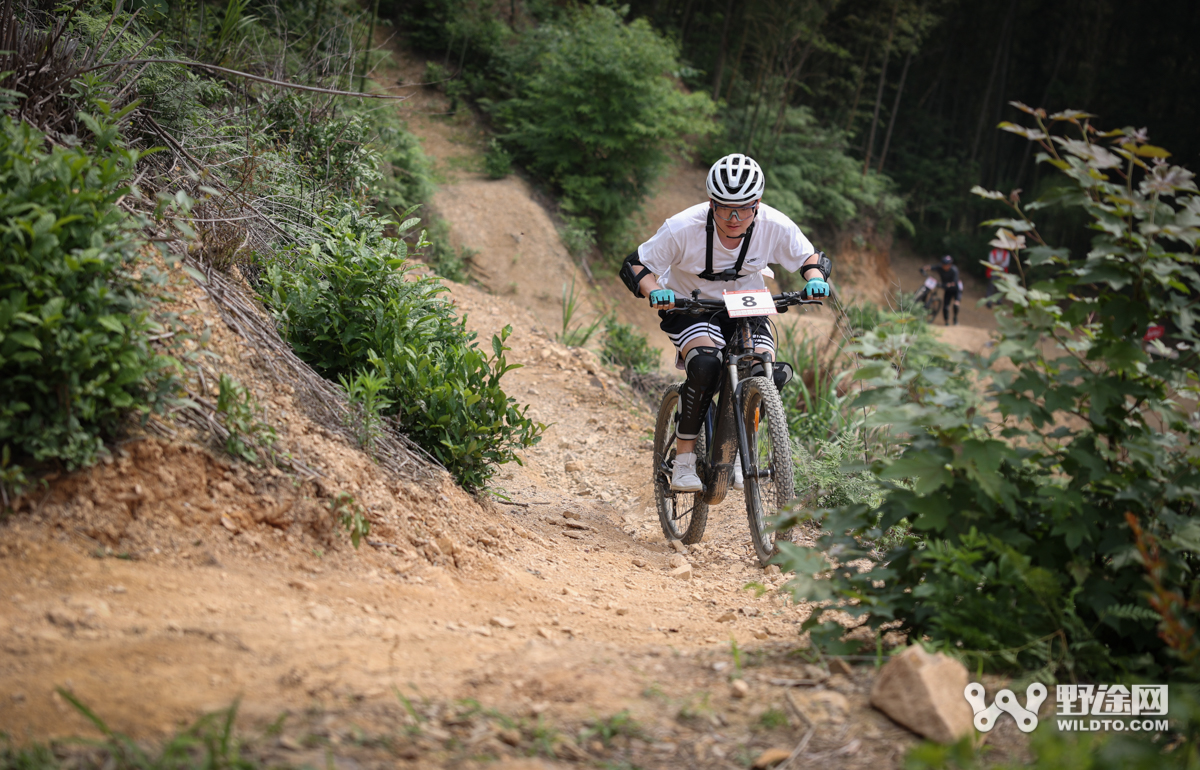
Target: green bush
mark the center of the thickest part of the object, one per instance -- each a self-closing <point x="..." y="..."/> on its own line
<point x="346" y="307"/>
<point x="465" y="34"/>
<point x="811" y="176"/>
<point x="834" y="473"/>
<point x="497" y="162"/>
<point x="1027" y="556"/>
<point x="628" y="349"/>
<point x="249" y="438"/>
<point x="591" y="107"/>
<point x="75" y="323"/>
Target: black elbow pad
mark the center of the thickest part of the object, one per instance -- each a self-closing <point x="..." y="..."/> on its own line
<point x="632" y="272"/>
<point x="824" y="265"/>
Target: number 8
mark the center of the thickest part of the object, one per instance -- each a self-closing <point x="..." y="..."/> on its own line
<point x="749" y="301"/>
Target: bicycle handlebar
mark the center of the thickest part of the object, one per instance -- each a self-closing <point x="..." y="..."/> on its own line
<point x="697" y="306"/>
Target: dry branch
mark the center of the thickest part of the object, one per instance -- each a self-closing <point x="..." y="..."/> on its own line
<point x="323" y="402"/>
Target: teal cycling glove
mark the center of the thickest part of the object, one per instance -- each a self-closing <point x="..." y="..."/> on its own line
<point x="662" y="297"/>
<point x="815" y="288"/>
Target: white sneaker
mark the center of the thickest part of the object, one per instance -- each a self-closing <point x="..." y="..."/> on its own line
<point x="683" y="477"/>
<point x="738" y="483"/>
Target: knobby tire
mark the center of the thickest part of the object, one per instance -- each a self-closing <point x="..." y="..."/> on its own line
<point x="770" y="447"/>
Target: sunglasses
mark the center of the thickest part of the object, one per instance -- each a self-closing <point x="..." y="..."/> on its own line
<point x="729" y="213"/>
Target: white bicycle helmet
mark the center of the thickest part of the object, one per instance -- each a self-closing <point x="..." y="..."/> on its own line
<point x="735" y="180"/>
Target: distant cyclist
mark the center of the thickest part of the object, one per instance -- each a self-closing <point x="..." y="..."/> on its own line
<point x="952" y="288"/>
<point x="722" y="245"/>
<point x="925" y="297"/>
<point x="999" y="262"/>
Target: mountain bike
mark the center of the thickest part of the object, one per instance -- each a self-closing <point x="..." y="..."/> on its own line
<point x="928" y="296"/>
<point x="746" y="423"/>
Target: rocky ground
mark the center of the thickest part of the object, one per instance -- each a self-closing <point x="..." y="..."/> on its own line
<point x="542" y="628"/>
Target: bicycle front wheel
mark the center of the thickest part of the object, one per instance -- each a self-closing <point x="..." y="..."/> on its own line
<point x="770" y="453"/>
<point x="683" y="515"/>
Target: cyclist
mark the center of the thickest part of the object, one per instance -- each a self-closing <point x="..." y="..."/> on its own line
<point x="928" y="288"/>
<point x="999" y="260"/>
<point x="952" y="286"/>
<point x="722" y="245"/>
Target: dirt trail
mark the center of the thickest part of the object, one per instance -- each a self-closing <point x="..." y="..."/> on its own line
<point x="170" y="582"/>
<point x="558" y="605"/>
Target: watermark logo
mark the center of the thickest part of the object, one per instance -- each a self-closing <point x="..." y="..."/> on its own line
<point x="1115" y="702"/>
<point x="1006" y="701"/>
<point x="1117" y="707"/>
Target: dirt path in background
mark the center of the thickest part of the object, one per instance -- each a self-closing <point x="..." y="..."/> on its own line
<point x="473" y="632"/>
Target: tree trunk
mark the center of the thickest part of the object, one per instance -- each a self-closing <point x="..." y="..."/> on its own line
<point x="687" y="20"/>
<point x="1058" y="62"/>
<point x="862" y="77"/>
<point x="720" y="68"/>
<point x="758" y="87"/>
<point x="987" y="94"/>
<point x="362" y="77"/>
<point x="887" y="137"/>
<point x="994" y="136"/>
<point x="887" y="49"/>
<point x="792" y="75"/>
<point x="737" y="62"/>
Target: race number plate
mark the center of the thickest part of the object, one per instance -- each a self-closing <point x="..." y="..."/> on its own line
<point x="747" y="303"/>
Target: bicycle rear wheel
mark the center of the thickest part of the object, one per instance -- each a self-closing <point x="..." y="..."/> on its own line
<point x="771" y="453"/>
<point x="683" y="515"/>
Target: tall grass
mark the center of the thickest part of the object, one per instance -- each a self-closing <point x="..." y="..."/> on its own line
<point x="812" y="404"/>
<point x="574" y="336"/>
<point x="209" y="744"/>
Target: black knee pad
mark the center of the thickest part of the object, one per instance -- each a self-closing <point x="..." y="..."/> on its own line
<point x="703" y="365"/>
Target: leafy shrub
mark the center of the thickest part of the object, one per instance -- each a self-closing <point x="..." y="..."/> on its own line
<point x="176" y="94"/>
<point x="625" y="347"/>
<point x="346" y="307"/>
<point x="578" y="234"/>
<point x="346" y="510"/>
<point x="238" y="410"/>
<point x="336" y="144"/>
<point x="591" y="107"/>
<point x="75" y="323"/>
<point x="1028" y="557"/>
<point x="834" y="473"/>
<point x="363" y="392"/>
<point x="497" y="162"/>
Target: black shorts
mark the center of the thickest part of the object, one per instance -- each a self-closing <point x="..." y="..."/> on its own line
<point x="682" y="328"/>
<point x="952" y="293"/>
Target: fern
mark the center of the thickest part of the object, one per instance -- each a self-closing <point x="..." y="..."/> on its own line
<point x="1131" y="612"/>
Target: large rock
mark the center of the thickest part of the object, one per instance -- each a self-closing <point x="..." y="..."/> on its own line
<point x="924" y="693"/>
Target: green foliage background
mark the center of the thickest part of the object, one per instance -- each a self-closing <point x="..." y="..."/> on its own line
<point x="1021" y="554"/>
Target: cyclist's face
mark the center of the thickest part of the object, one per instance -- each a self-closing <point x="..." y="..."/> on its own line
<point x="733" y="220"/>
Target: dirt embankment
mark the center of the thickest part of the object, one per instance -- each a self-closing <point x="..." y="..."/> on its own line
<point x="171" y="581"/>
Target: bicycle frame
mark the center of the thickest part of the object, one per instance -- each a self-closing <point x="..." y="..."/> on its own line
<point x="725" y="433"/>
<point x="724" y="429"/>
